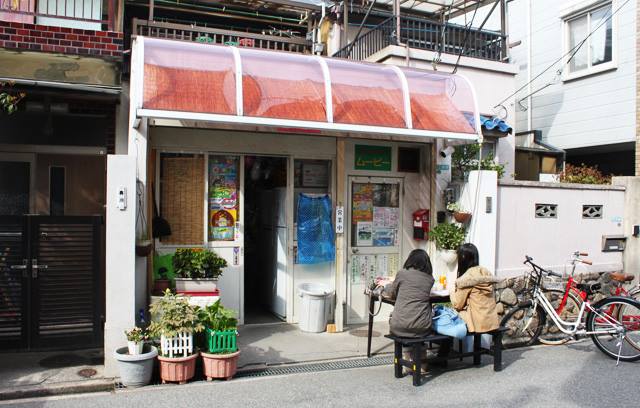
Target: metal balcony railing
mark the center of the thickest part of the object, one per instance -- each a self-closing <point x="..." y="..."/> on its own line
<point x="208" y="35"/>
<point x="86" y="11"/>
<point x="427" y="35"/>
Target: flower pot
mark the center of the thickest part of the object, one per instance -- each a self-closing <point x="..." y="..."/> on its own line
<point x="143" y="247"/>
<point x="220" y="365"/>
<point x="160" y="286"/>
<point x="461" y="217"/>
<point x="136" y="370"/>
<point x="449" y="256"/>
<point x="177" y="369"/>
<point x="134" y="347"/>
<point x="186" y="285"/>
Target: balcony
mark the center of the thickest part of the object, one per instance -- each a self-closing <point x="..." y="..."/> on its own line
<point x="195" y="33"/>
<point x="427" y="35"/>
<point x="77" y="27"/>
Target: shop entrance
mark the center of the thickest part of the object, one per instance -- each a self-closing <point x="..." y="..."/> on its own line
<point x="265" y="239"/>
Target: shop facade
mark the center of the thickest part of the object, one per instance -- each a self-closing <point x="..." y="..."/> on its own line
<point x="257" y="144"/>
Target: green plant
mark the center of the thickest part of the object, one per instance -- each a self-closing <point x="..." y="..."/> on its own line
<point x="583" y="174"/>
<point x="465" y="158"/>
<point x="216" y="317"/>
<point x="196" y="263"/>
<point x="9" y="100"/>
<point x="455" y="207"/>
<point x="136" y="334"/>
<point x="447" y="236"/>
<point x="163" y="273"/>
<point x="173" y="315"/>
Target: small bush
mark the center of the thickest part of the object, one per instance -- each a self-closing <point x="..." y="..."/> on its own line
<point x="583" y="174"/>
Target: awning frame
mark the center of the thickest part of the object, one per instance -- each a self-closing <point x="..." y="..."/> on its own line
<point x="137" y="82"/>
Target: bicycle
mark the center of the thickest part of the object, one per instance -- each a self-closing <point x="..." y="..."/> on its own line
<point x="612" y="323"/>
<point x="570" y="298"/>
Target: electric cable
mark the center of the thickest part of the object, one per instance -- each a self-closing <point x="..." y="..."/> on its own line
<point x="466" y="36"/>
<point x="575" y="48"/>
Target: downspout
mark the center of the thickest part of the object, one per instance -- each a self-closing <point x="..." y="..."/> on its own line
<point x="529" y="58"/>
<point x="396" y="7"/>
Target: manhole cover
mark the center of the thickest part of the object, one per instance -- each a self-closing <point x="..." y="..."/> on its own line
<point x="364" y="333"/>
<point x="87" y="372"/>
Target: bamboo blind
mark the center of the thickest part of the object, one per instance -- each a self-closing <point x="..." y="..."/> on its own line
<point x="182" y="199"/>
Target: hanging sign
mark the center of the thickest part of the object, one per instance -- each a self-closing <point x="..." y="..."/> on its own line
<point x="372" y="158"/>
<point x="339" y="219"/>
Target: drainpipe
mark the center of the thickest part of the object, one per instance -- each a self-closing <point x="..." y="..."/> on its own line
<point x="529" y="58"/>
<point x="396" y="12"/>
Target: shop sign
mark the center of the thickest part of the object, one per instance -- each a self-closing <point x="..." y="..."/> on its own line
<point x="373" y="158"/>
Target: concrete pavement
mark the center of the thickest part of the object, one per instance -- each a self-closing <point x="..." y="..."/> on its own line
<point x="575" y="375"/>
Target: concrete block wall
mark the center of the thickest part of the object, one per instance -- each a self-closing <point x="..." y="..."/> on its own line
<point x="36" y="37"/>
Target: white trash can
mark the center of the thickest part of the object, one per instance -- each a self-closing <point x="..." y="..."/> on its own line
<point x="313" y="311"/>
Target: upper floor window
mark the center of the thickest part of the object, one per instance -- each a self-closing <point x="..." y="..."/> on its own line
<point x="597" y="52"/>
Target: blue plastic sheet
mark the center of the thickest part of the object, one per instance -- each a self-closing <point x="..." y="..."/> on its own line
<point x="315" y="230"/>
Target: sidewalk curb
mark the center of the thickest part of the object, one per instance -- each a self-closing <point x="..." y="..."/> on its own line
<point x="35" y="391"/>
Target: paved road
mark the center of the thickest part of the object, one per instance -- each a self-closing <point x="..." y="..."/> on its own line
<point x="575" y="375"/>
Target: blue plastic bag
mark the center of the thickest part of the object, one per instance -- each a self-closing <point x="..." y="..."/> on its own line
<point x="315" y="230"/>
<point x="448" y="322"/>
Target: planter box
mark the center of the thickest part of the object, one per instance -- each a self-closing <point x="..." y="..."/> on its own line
<point x="186" y="285"/>
<point x="220" y="365"/>
<point x="179" y="370"/>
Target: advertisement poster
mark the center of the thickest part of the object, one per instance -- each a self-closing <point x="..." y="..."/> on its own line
<point x="223" y="197"/>
<point x="364" y="234"/>
<point x="362" y="203"/>
<point x="385" y="217"/>
<point x="384" y="237"/>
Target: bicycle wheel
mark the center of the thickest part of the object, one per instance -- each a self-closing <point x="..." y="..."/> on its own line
<point x="524" y="324"/>
<point x="615" y="328"/>
<point x="551" y="334"/>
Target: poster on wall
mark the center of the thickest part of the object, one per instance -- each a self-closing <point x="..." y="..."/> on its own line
<point x="364" y="235"/>
<point x="362" y="203"/>
<point x="223" y="197"/>
<point x="315" y="174"/>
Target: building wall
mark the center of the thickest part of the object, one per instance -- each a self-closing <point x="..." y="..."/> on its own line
<point x="595" y="110"/>
<point x="84" y="183"/>
<point x="551" y="241"/>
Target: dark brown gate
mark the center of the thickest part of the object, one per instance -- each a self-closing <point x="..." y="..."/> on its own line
<point x="51" y="282"/>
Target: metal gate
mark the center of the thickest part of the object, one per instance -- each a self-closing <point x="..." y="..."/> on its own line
<point x="51" y="282"/>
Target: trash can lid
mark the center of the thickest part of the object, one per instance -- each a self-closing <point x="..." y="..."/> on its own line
<point x="315" y="289"/>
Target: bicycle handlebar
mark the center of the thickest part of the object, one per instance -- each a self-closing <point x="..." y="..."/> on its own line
<point x="528" y="260"/>
<point x="583" y="254"/>
<point x="552" y="273"/>
<point x="584" y="261"/>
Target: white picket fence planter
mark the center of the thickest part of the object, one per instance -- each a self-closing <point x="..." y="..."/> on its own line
<point x="179" y="346"/>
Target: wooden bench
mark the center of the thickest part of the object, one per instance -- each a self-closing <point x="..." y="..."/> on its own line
<point x="419" y="345"/>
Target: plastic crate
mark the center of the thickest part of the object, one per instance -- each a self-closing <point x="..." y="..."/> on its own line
<point x="222" y="341"/>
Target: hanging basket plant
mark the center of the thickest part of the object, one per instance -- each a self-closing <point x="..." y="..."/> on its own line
<point x="459" y="214"/>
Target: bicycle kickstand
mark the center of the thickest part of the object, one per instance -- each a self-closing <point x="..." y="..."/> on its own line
<point x="620" y="341"/>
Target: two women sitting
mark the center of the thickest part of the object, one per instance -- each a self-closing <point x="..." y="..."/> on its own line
<point x="472" y="295"/>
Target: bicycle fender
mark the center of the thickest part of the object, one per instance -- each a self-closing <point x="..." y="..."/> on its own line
<point x="613" y="298"/>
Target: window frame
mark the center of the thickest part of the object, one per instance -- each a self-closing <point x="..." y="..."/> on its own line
<point x="567" y="74"/>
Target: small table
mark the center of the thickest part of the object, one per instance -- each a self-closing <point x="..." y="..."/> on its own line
<point x="437" y="296"/>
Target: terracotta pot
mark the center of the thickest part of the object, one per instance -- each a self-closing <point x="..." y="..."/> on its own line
<point x="177" y="369"/>
<point x="160" y="286"/>
<point x="462" y="217"/>
<point x="220" y="365"/>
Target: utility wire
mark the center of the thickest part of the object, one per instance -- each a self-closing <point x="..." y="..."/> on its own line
<point x="440" y="44"/>
<point x="466" y="36"/>
<point x="571" y="52"/>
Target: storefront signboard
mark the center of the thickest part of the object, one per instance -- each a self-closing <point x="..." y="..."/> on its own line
<point x="372" y="158"/>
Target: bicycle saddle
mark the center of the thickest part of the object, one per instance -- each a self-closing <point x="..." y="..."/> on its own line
<point x="621" y="277"/>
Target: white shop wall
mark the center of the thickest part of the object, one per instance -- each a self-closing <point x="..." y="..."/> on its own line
<point x="417" y="195"/>
<point x="551" y="241"/>
<point x="248" y="143"/>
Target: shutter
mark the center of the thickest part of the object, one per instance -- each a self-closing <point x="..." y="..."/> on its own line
<point x="12" y="254"/>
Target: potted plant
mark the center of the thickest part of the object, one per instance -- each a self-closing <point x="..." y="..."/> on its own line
<point x="197" y="270"/>
<point x="162" y="283"/>
<point x="175" y="321"/>
<point x="136" y="365"/>
<point x="221" y="360"/>
<point x="136" y="338"/>
<point x="459" y="214"/>
<point x="448" y="238"/>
